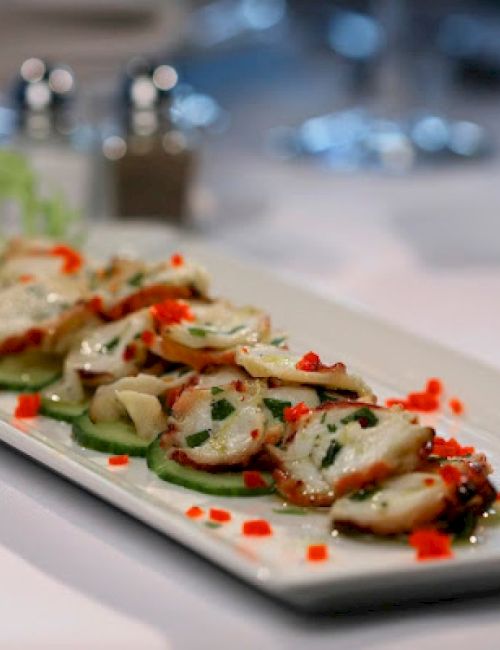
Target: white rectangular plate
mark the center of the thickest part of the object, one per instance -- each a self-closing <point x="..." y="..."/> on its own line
<point x="358" y="571"/>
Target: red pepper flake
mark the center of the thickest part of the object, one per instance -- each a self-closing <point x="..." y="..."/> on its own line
<point x="118" y="461"/>
<point x="25" y="278"/>
<point x="257" y="528"/>
<point x="449" y="448"/>
<point x="72" y="260"/>
<point x="170" y="312"/>
<point x="456" y="406"/>
<point x="177" y="260"/>
<point x="28" y="405"/>
<point x="450" y="475"/>
<point x="294" y="413"/>
<point x="310" y="362"/>
<point x="129" y="352"/>
<point x="395" y="401"/>
<point x="431" y="544"/>
<point x="317" y="552"/>
<point x="434" y="386"/>
<point x="429" y="481"/>
<point x="95" y="304"/>
<point x="422" y="402"/>
<point x="254" y="433"/>
<point x="194" y="512"/>
<point x="221" y="516"/>
<point x="253" y="480"/>
<point x="148" y="337"/>
<point x="239" y="385"/>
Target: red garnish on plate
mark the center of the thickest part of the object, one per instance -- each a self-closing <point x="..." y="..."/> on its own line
<point x="422" y="402"/>
<point x="450" y="475"/>
<point x="254" y="433"/>
<point x="72" y="260"/>
<point x="456" y="406"/>
<point x="434" y="386"/>
<point x="395" y="401"/>
<point x="239" y="385"/>
<point x="96" y="305"/>
<point x="118" y="461"/>
<point x="449" y="448"/>
<point x="310" y="362"/>
<point x="129" y="352"/>
<point x="257" y="528"/>
<point x="177" y="260"/>
<point x="171" y="312"/>
<point x="294" y="413"/>
<point x="253" y="480"/>
<point x="148" y="337"/>
<point x="221" y="516"/>
<point x="25" y="278"/>
<point x="430" y="544"/>
<point x="28" y="405"/>
<point x="194" y="512"/>
<point x="429" y="481"/>
<point x="317" y="552"/>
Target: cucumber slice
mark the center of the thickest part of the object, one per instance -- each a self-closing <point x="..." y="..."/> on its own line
<point x="111" y="437"/>
<point x="66" y="411"/>
<point x="230" y="484"/>
<point x="29" y="371"/>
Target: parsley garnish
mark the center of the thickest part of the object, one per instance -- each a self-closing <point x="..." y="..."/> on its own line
<point x="325" y="396"/>
<point x="236" y="329"/>
<point x="197" y="331"/>
<point x="364" y="416"/>
<point x="136" y="280"/>
<point x="197" y="439"/>
<point x="221" y="409"/>
<point x="331" y="453"/>
<point x="331" y="428"/>
<point x="110" y="345"/>
<point x="276" y="406"/>
<point x="216" y="390"/>
<point x="364" y="494"/>
<point x="278" y="341"/>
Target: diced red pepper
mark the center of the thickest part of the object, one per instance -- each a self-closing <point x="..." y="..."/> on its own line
<point x="148" y="337"/>
<point x="317" y="552"/>
<point x="451" y="475"/>
<point x="431" y="544"/>
<point x="254" y="479"/>
<point x="194" y="512"/>
<point x="434" y="386"/>
<point x="96" y="304"/>
<point x="294" y="413"/>
<point x="72" y="260"/>
<point x="25" y="278"/>
<point x="456" y="406"/>
<point x="429" y="481"/>
<point x="117" y="461"/>
<point x="239" y="385"/>
<point x="170" y="312"/>
<point x="257" y="528"/>
<point x="177" y="260"/>
<point x="221" y="516"/>
<point x="310" y="362"/>
<point x="449" y="448"/>
<point x="254" y="433"/>
<point x="422" y="402"/>
<point x="129" y="352"/>
<point x="28" y="405"/>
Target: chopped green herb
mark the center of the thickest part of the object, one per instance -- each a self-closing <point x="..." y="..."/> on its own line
<point x="331" y="453"/>
<point x="197" y="331"/>
<point x="276" y="406"/>
<point x="110" y="345"/>
<point x="136" y="280"/>
<point x="290" y="510"/>
<point x="326" y="396"/>
<point x="323" y="418"/>
<point x="236" y="329"/>
<point x="197" y="439"/>
<point x="331" y="428"/>
<point x="216" y="390"/>
<point x="221" y="409"/>
<point x="212" y="524"/>
<point x="364" y="494"/>
<point x="364" y="416"/>
<point x="278" y="341"/>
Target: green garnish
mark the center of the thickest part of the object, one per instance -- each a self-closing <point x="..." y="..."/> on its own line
<point x="364" y="494"/>
<point x="291" y="511"/>
<point x="221" y="409"/>
<point x="212" y="524"/>
<point x="276" y="406"/>
<point x="331" y="427"/>
<point x="197" y="439"/>
<point x="216" y="390"/>
<point x="136" y="280"/>
<point x="236" y="329"/>
<point x="278" y="341"/>
<point x="323" y="418"/>
<point x="197" y="331"/>
<point x="110" y="345"/>
<point x="325" y="396"/>
<point x="332" y="451"/>
<point x="364" y="416"/>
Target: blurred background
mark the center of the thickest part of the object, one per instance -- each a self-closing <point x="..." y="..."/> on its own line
<point x="350" y="145"/>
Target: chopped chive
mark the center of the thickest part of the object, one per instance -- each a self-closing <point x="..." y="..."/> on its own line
<point x="136" y="280"/>
<point x="279" y="340"/>
<point x="221" y="409"/>
<point x="332" y="451"/>
<point x="276" y="406"/>
<point x="197" y="439"/>
<point x="364" y="494"/>
<point x="331" y="428"/>
<point x="323" y="418"/>
<point x="236" y="329"/>
<point x="291" y="511"/>
<point x="197" y="331"/>
<point x="110" y="345"/>
<point x="216" y="390"/>
<point x="212" y="524"/>
<point x="364" y="416"/>
<point x="326" y="396"/>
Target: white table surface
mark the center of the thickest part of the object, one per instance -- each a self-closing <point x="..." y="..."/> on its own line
<point x="423" y="252"/>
